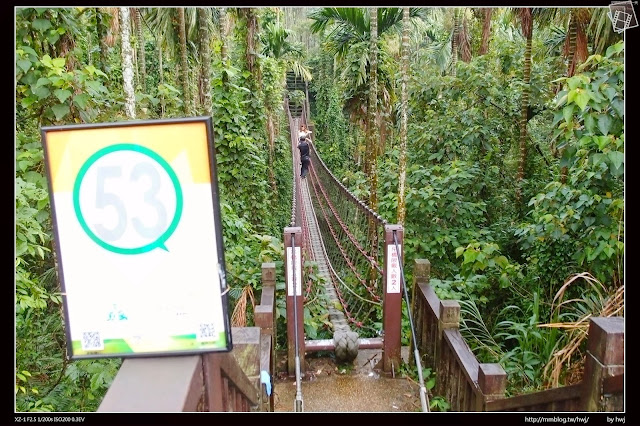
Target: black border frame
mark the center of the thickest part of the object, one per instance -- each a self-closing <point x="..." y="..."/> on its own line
<point x="208" y="122"/>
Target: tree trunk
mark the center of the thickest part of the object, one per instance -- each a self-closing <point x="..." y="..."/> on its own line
<point x="486" y="31"/>
<point x="454" y="41"/>
<point x="372" y="135"/>
<point x="527" y="29"/>
<point x="205" y="51"/>
<point x="463" y="38"/>
<point x="272" y="150"/>
<point x="101" y="29"/>
<point x="307" y="103"/>
<point x="183" y="61"/>
<point x="571" y="54"/>
<point x="224" y="18"/>
<point x="404" y="123"/>
<point x="142" y="67"/>
<point x="373" y="108"/>
<point x="127" y="63"/>
<point x="252" y="54"/>
<point x="161" y="73"/>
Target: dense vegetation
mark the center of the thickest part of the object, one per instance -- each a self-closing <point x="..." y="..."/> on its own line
<point x="514" y="165"/>
<point x="494" y="136"/>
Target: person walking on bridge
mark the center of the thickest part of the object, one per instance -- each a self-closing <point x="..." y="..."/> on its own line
<point x="303" y="146"/>
<point x="304" y="132"/>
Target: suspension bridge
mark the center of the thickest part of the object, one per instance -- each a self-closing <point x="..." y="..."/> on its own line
<point x="358" y="259"/>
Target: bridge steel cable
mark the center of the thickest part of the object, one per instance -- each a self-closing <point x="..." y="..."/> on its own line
<point x="334" y="275"/>
<point x="376" y="299"/>
<point x="353" y="304"/>
<point x="298" y="212"/>
<point x="344" y="339"/>
<point x="347" y="223"/>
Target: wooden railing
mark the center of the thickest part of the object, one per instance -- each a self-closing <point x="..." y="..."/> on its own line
<point x="472" y="386"/>
<point x="466" y="384"/>
<point x="210" y="382"/>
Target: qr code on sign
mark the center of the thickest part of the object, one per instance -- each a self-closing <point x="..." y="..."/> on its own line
<point x="206" y="332"/>
<point x="91" y="341"/>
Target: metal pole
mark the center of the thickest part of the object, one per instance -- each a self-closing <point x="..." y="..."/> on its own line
<point x="298" y="403"/>
<point x="424" y="398"/>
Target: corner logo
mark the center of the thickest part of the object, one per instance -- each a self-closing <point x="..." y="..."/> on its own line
<point x="622" y="16"/>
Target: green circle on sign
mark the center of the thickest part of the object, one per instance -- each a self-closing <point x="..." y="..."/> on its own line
<point x="159" y="242"/>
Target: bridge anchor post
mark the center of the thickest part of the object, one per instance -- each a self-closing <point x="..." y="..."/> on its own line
<point x="293" y="272"/>
<point x="392" y="303"/>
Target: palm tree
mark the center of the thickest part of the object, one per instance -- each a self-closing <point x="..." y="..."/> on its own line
<point x="575" y="39"/>
<point x="223" y="23"/>
<point x="464" y="37"/>
<point x="251" y="54"/>
<point x="275" y="41"/>
<point x="205" y="52"/>
<point x="167" y="22"/>
<point x="486" y="30"/>
<point x="601" y="31"/>
<point x="574" y="21"/>
<point x="460" y="39"/>
<point x="372" y="109"/>
<point x="577" y="51"/>
<point x="127" y="63"/>
<point x="347" y="37"/>
<point x="401" y="212"/>
<point x="526" y="22"/>
<point x="137" y="20"/>
<point x="183" y="61"/>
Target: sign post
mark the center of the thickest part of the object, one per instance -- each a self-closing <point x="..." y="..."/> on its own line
<point x="392" y="305"/>
<point x="295" y="300"/>
<point x="136" y="218"/>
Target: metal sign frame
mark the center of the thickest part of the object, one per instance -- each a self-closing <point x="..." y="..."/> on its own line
<point x="135" y="289"/>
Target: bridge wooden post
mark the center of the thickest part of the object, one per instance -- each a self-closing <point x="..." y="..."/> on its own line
<point x="421" y="276"/>
<point x="492" y="382"/>
<point x="265" y="318"/>
<point x="448" y="318"/>
<point x="605" y="359"/>
<point x="292" y="271"/>
<point x="392" y="304"/>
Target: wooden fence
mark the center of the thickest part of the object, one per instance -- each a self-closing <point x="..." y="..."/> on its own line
<point x="472" y="386"/>
<point x="228" y="381"/>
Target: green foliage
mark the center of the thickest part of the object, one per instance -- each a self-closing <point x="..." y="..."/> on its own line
<point x="46" y="87"/>
<point x="331" y="131"/>
<point x="579" y="223"/>
<point x="484" y="270"/>
<point x="443" y="202"/>
<point x="241" y="159"/>
<point x="526" y="347"/>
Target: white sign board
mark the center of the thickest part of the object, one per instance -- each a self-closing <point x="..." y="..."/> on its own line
<point x="291" y="267"/>
<point x="393" y="268"/>
<point x="138" y="237"/>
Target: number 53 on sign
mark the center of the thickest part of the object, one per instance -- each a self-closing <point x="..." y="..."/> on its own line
<point x="138" y="236"/>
